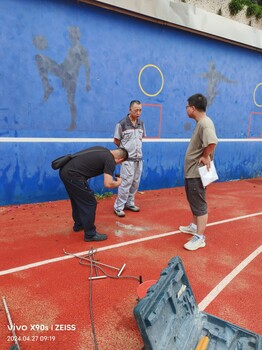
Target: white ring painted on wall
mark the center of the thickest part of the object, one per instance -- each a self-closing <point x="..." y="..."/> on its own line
<point x="162" y="80"/>
<point x="254" y="95"/>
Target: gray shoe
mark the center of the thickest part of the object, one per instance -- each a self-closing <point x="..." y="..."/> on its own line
<point x="188" y="229"/>
<point x="119" y="213"/>
<point x="132" y="208"/>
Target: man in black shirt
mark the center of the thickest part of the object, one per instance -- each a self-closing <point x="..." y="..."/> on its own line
<point x="75" y="174"/>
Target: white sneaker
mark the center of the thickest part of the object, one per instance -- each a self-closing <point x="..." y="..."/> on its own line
<point x="195" y="243"/>
<point x="132" y="208"/>
<point x="119" y="213"/>
<point x="188" y="229"/>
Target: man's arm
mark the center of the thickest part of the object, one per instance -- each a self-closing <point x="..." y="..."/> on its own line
<point x="205" y="158"/>
<point x="117" y="142"/>
<point x="118" y="134"/>
<point x="109" y="182"/>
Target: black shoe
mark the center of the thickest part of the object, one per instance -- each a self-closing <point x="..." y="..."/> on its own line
<point x="78" y="228"/>
<point x="96" y="237"/>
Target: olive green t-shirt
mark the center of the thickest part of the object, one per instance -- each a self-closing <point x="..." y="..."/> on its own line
<point x="203" y="135"/>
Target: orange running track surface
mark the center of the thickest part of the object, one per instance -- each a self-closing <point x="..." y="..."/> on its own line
<point x="49" y="295"/>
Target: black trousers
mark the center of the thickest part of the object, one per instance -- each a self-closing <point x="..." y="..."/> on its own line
<point x="83" y="204"/>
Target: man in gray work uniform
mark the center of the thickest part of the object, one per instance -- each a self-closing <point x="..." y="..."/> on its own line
<point x="128" y="134"/>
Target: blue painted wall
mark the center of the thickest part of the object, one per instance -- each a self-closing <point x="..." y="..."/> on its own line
<point x="70" y="70"/>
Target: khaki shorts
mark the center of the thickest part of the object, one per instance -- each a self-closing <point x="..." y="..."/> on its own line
<point x="196" y="196"/>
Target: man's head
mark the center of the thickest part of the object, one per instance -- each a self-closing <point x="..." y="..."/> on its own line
<point x="135" y="109"/>
<point x="120" y="154"/>
<point x="198" y="102"/>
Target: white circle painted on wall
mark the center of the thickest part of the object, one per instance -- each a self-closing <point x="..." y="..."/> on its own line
<point x="161" y="75"/>
<point x="254" y="95"/>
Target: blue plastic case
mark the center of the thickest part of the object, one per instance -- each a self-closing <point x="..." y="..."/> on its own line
<point x="169" y="319"/>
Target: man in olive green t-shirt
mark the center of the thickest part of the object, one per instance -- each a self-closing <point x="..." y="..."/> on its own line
<point x="200" y="152"/>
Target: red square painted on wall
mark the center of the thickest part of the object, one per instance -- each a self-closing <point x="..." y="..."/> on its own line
<point x="254" y="129"/>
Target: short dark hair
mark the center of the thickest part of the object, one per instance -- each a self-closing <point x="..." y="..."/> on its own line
<point x="134" y="102"/>
<point x="122" y="153"/>
<point x="199" y="101"/>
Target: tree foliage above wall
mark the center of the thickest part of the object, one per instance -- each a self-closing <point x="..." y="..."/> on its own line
<point x="254" y="7"/>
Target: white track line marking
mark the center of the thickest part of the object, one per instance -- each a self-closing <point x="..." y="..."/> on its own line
<point x="234" y="219"/>
<point x="113" y="246"/>
<point x="214" y="293"/>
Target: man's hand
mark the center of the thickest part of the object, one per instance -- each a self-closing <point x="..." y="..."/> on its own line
<point x="118" y="180"/>
<point x="206" y="161"/>
<point x="110" y="182"/>
<point x="205" y="158"/>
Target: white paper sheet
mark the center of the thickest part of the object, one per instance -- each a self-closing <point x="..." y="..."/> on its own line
<point x="208" y="176"/>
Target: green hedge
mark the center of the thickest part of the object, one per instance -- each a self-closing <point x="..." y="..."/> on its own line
<point x="254" y="8"/>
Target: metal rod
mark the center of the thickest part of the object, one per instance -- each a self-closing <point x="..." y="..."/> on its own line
<point x="10" y="322"/>
<point x="91" y="252"/>
<point x="90" y="260"/>
<point x="121" y="270"/>
<point x="96" y="277"/>
<point x="93" y="258"/>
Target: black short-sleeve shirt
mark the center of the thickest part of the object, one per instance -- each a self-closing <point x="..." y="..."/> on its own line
<point x="84" y="166"/>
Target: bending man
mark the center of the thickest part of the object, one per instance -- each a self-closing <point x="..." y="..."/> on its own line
<point x="75" y="175"/>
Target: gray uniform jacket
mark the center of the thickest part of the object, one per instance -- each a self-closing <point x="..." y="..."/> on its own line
<point x="130" y="137"/>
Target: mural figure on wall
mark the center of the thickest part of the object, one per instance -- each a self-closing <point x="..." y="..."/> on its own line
<point x="67" y="71"/>
<point x="213" y="78"/>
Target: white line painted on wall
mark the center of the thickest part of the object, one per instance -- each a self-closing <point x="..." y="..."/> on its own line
<point x="104" y="140"/>
<point x="214" y="293"/>
<point x="114" y="246"/>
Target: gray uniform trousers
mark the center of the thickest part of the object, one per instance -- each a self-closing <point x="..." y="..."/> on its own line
<point x="130" y="174"/>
